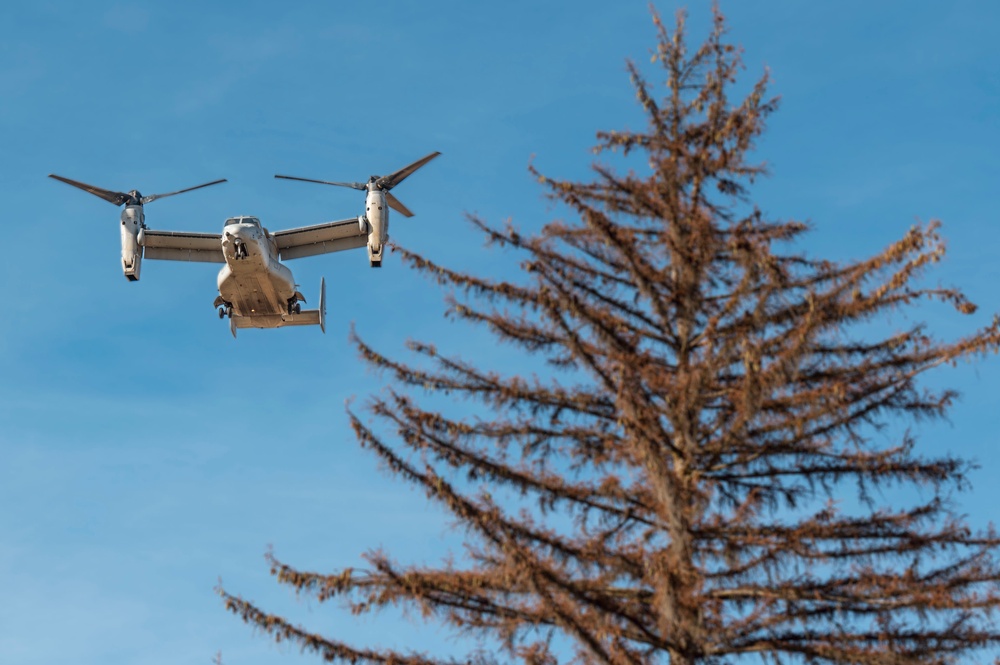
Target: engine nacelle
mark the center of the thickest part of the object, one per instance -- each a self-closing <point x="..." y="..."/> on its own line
<point x="377" y="238"/>
<point x="377" y="215"/>
<point x="132" y="225"/>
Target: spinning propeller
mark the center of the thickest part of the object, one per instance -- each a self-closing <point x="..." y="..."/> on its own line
<point x="126" y="198"/>
<point x="384" y="183"/>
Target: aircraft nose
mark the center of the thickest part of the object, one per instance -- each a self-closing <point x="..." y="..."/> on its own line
<point x="243" y="233"/>
<point x="239" y="240"/>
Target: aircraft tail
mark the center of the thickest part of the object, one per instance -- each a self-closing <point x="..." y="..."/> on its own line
<point x="308" y="317"/>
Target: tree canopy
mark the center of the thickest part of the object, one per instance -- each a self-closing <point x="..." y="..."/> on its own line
<point x="697" y="477"/>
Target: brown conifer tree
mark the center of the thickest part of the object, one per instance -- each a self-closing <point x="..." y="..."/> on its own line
<point x="694" y="481"/>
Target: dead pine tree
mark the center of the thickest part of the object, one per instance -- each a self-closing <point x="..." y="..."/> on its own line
<point x="697" y="478"/>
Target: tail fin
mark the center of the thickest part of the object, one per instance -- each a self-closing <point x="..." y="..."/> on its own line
<point x="322" y="304"/>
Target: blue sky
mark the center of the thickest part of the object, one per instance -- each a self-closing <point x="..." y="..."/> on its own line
<point x="144" y="454"/>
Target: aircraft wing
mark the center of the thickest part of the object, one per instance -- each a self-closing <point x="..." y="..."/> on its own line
<point x="181" y="246"/>
<point x="320" y="239"/>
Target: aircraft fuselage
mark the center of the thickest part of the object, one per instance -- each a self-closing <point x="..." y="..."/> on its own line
<point x="254" y="283"/>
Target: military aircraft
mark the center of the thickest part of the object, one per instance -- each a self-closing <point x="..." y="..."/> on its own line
<point x="255" y="289"/>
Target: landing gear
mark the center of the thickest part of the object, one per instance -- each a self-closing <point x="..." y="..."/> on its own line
<point x="226" y="310"/>
<point x="294" y="306"/>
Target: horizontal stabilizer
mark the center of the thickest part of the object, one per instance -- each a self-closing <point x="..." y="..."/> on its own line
<point x="308" y="317"/>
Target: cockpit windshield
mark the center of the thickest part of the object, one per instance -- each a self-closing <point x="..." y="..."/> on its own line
<point x="243" y="220"/>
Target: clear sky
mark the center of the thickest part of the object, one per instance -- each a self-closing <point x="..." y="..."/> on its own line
<point x="144" y="453"/>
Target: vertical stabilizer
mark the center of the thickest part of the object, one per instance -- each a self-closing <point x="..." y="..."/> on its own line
<point x="322" y="304"/>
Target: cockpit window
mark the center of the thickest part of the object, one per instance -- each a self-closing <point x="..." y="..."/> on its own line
<point x="243" y="220"/>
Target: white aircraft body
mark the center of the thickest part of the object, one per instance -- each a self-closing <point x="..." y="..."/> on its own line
<point x="256" y="290"/>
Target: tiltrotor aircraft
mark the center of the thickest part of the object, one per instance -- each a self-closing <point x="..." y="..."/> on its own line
<point x="255" y="289"/>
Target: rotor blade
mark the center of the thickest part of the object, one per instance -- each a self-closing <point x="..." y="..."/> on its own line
<point x="117" y="198"/>
<point x="396" y="205"/>
<point x="352" y="185"/>
<point x="390" y="181"/>
<point x="153" y="197"/>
